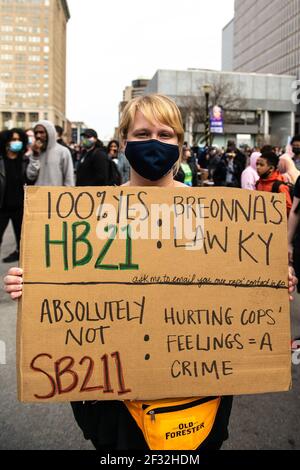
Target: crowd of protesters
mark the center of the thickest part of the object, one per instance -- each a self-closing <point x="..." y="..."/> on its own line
<point x="41" y="156"/>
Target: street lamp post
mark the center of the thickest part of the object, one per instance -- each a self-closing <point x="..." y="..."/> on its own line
<point x="207" y="88"/>
<point x="259" y="114"/>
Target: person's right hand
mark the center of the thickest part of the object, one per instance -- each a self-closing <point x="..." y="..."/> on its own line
<point x="37" y="148"/>
<point x="13" y="283"/>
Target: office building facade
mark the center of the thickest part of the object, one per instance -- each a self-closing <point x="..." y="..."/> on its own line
<point x="264" y="112"/>
<point x="136" y="89"/>
<point x="267" y="36"/>
<point x="33" y="62"/>
<point x="227" y="47"/>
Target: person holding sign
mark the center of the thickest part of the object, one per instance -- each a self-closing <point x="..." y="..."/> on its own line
<point x="152" y="134"/>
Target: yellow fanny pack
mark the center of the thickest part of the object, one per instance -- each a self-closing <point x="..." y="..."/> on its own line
<point x="181" y="424"/>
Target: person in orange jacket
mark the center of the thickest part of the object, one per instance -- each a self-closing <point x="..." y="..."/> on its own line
<point x="270" y="179"/>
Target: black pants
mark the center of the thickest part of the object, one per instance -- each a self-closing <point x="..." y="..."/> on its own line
<point x="16" y="216"/>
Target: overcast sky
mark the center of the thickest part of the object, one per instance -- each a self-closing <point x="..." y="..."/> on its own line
<point x="112" y="42"/>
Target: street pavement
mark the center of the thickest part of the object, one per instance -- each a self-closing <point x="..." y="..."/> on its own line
<point x="269" y="422"/>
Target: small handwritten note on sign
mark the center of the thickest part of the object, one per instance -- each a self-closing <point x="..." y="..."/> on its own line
<point x="145" y="293"/>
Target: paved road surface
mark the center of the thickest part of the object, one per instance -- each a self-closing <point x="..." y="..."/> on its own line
<point x="269" y="421"/>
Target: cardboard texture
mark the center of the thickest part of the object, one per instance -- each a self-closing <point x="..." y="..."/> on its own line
<point x="202" y="312"/>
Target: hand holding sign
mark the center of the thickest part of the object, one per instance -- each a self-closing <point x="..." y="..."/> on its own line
<point x="128" y="306"/>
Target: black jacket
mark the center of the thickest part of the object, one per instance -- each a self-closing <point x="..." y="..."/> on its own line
<point x="23" y="178"/>
<point x="180" y="175"/>
<point x="220" y="173"/>
<point x="93" y="168"/>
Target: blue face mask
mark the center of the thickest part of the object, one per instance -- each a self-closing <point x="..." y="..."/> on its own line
<point x="151" y="159"/>
<point x="16" y="146"/>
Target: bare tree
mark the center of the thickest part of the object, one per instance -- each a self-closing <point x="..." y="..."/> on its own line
<point x="222" y="94"/>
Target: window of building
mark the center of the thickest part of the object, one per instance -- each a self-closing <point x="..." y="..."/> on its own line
<point x="21" y="67"/>
<point x="6" y="47"/>
<point x="21" y="29"/>
<point x="7" y="8"/>
<point x="34" y="39"/>
<point x="34" y="58"/>
<point x="34" y="48"/>
<point x="8" y="19"/>
<point x="6" y="38"/>
<point x="21" y="120"/>
<point x="20" y="57"/>
<point x="6" y="57"/>
<point x="7" y="29"/>
<point x="33" y="118"/>
<point x="7" y="120"/>
<point x="5" y="76"/>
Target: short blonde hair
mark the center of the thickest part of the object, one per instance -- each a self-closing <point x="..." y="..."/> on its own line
<point x="155" y="108"/>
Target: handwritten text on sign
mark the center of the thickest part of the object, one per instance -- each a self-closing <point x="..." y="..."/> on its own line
<point x="144" y="293"/>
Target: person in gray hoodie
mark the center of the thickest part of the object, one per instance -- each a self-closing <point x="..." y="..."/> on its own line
<point x="50" y="164"/>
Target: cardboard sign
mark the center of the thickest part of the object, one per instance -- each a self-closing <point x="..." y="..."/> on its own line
<point x="146" y="293"/>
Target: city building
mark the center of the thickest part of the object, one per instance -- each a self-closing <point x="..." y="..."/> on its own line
<point x="76" y="130"/>
<point x="227" y="47"/>
<point x="33" y="62"/>
<point x="257" y="107"/>
<point x="265" y="38"/>
<point x="136" y="88"/>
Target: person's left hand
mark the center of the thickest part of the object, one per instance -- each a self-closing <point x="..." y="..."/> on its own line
<point x="293" y="281"/>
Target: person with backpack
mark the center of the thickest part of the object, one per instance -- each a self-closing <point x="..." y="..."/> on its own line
<point x="94" y="166"/>
<point x="270" y="179"/>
